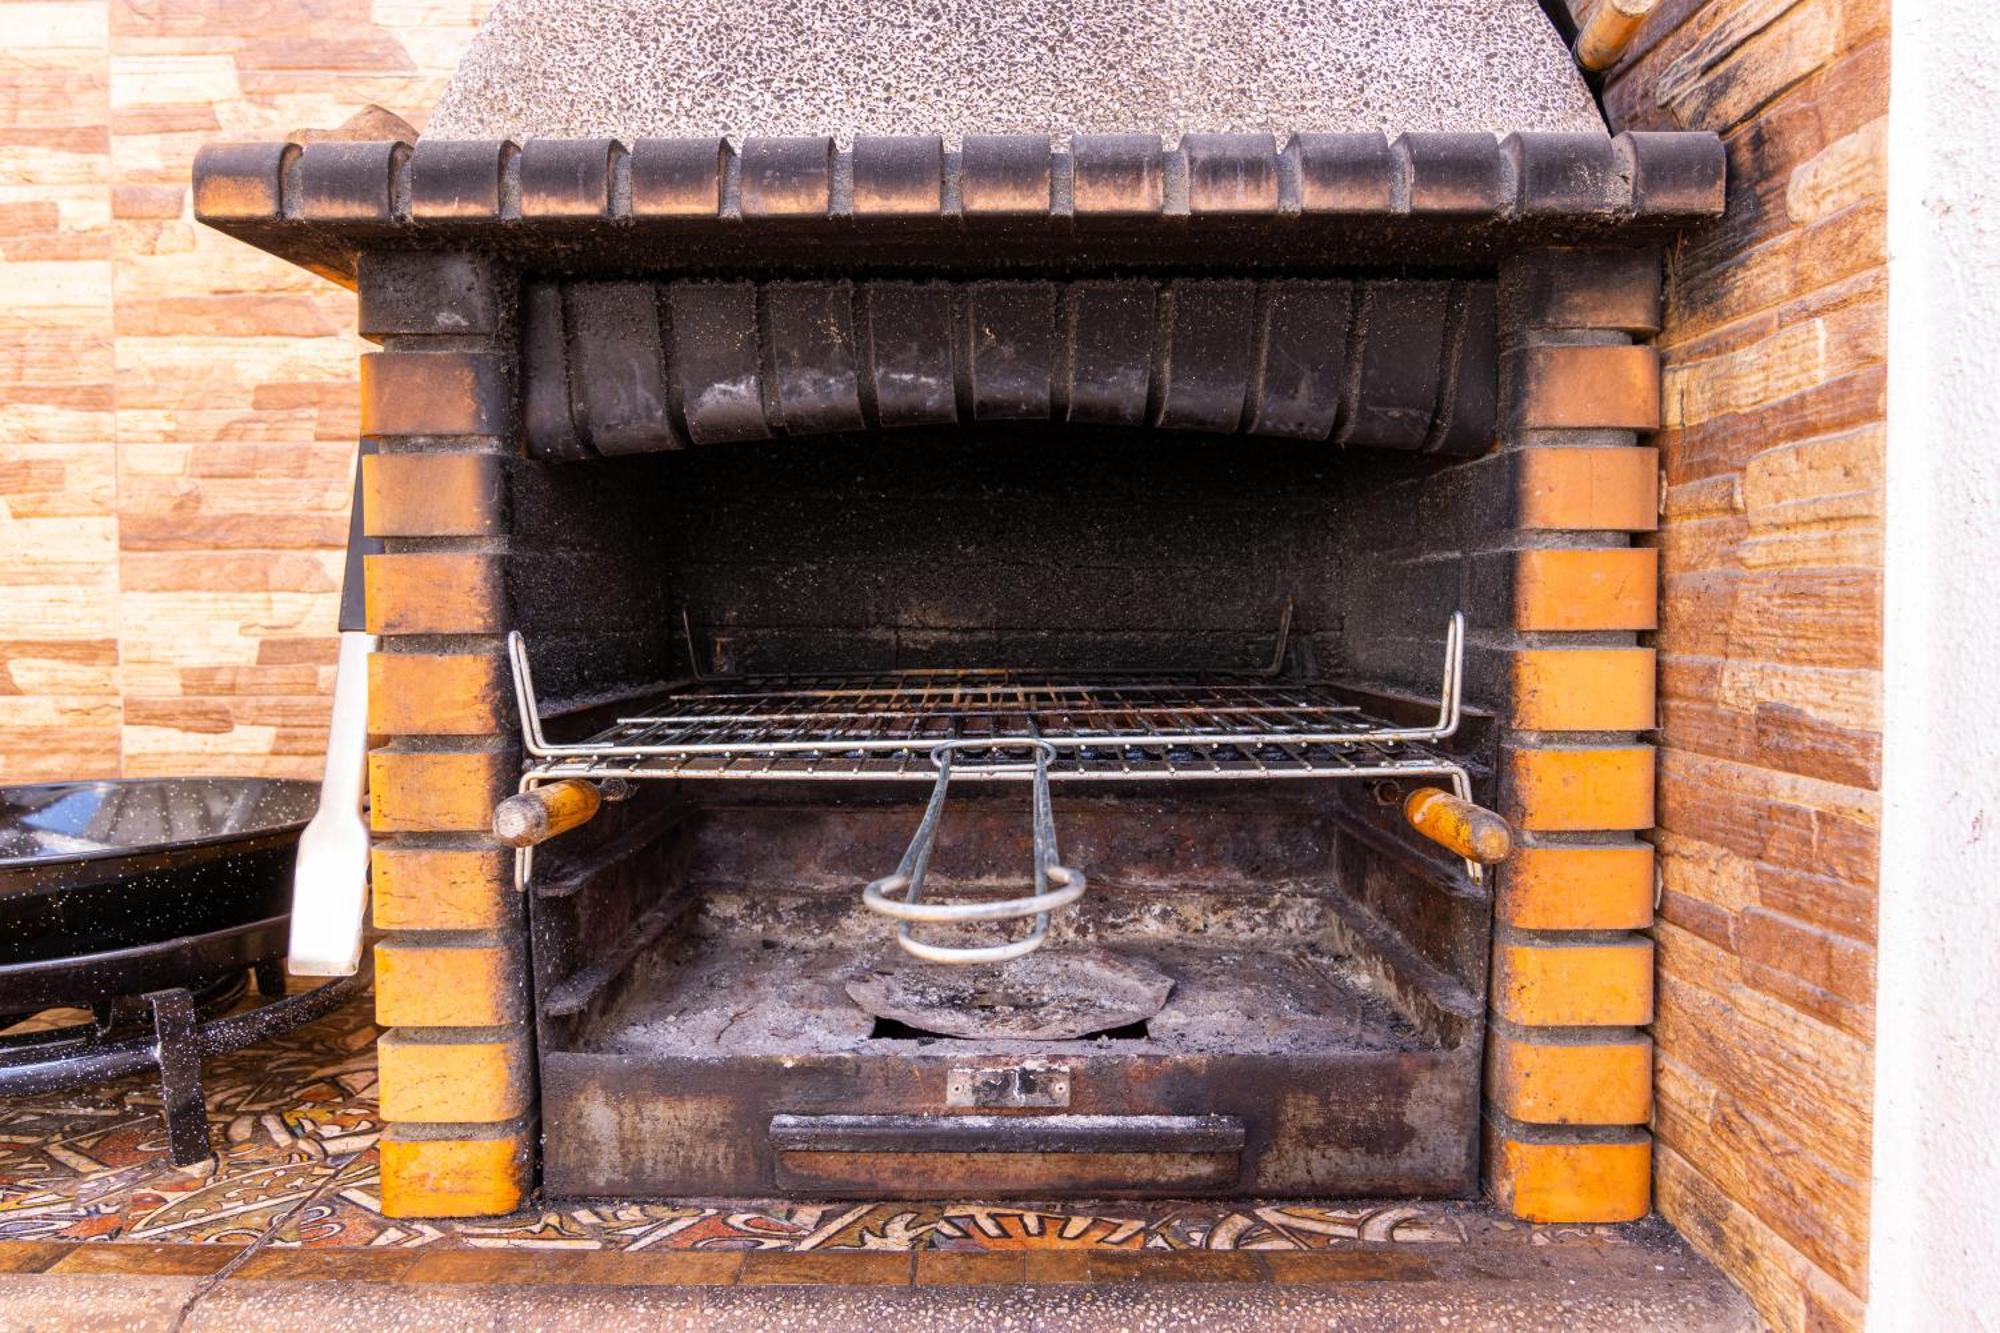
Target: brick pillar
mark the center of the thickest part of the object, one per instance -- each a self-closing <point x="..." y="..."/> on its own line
<point x="451" y="977"/>
<point x="1569" y="1068"/>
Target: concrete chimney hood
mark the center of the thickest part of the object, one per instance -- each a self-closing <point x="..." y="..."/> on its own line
<point x="632" y="69"/>
<point x="698" y="136"/>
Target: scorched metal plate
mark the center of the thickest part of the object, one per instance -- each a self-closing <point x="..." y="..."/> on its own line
<point x="1046" y="996"/>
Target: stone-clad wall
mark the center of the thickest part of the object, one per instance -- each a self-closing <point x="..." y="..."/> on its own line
<point x="1770" y="641"/>
<point x="177" y="410"/>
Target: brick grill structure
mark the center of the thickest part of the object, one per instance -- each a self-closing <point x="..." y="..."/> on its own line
<point x="1551" y="512"/>
<point x="456" y="1070"/>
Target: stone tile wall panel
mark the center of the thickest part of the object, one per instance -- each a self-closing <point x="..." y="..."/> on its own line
<point x="1774" y="349"/>
<point x="178" y="411"/>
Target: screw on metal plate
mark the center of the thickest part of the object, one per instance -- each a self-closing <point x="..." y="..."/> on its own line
<point x="1031" y="1084"/>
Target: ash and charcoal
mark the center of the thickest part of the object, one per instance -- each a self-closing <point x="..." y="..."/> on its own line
<point x="732" y="995"/>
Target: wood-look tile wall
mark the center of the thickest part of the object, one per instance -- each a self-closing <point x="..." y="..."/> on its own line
<point x="178" y="412"/>
<point x="1770" y="641"/>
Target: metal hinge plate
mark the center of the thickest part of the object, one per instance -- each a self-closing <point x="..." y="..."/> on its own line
<point x="987" y="1088"/>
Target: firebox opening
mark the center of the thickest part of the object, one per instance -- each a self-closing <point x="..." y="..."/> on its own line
<point x="694" y="944"/>
<point x="695" y="952"/>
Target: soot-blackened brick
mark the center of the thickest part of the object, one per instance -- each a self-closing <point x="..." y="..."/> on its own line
<point x="1676" y="174"/>
<point x="242" y="182"/>
<point x="787" y="178"/>
<point x="716" y="361"/>
<point x="1013" y="341"/>
<point x="1305" y="360"/>
<point x="1110" y="327"/>
<point x="1454" y="173"/>
<point x="1231" y="173"/>
<point x="545" y="407"/>
<point x="1345" y="173"/>
<point x="1569" y="288"/>
<point x="910" y="341"/>
<point x="898" y="175"/>
<point x="618" y="378"/>
<point x="349" y="181"/>
<point x="1470" y="405"/>
<point x="677" y="177"/>
<point x="1004" y="174"/>
<point x="1207" y="372"/>
<point x="1565" y="173"/>
<point x="566" y="178"/>
<point x="813" y="356"/>
<point x="1402" y="332"/>
<point x="406" y="293"/>
<point x="1118" y="174"/>
<point x="458" y="178"/>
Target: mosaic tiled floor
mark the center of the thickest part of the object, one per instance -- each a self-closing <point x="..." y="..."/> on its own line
<point x="284" y="1230"/>
<point x="294" y="1123"/>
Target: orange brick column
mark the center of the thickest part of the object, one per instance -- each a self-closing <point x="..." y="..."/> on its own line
<point x="1569" y="1069"/>
<point x="451" y="977"/>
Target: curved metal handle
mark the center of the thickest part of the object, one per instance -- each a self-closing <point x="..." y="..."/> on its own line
<point x="899" y="895"/>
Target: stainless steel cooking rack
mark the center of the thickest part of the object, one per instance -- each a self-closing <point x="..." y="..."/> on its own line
<point x="883" y="727"/>
<point x="989" y="725"/>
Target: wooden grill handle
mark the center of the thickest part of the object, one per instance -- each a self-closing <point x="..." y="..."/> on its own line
<point x="1610" y="33"/>
<point x="1471" y="831"/>
<point x="538" y="815"/>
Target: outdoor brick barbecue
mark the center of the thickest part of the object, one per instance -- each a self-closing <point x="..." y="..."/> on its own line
<point x="713" y="425"/>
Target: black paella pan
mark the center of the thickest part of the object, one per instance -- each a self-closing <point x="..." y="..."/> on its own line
<point x="146" y="902"/>
<point x="100" y="867"/>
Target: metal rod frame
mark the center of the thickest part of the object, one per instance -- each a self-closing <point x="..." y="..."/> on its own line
<point x="840" y="727"/>
<point x="999" y="725"/>
<point x="899" y="895"/>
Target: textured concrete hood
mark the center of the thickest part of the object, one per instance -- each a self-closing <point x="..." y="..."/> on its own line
<point x="632" y="69"/>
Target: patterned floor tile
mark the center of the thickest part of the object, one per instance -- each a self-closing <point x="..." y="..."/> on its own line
<point x="294" y="1122"/>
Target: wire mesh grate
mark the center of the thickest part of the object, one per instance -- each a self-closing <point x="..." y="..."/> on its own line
<point x="885" y="726"/>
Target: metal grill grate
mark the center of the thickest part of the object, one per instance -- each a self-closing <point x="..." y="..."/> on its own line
<point x="996" y="725"/>
<point x="885" y="727"/>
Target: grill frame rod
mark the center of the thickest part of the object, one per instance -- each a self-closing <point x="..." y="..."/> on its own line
<point x="763" y="728"/>
<point x="1218" y="726"/>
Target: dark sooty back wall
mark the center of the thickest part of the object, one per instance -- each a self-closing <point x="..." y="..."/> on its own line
<point x="1041" y="547"/>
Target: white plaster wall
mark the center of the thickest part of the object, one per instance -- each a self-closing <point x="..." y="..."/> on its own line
<point x="1937" y="1118"/>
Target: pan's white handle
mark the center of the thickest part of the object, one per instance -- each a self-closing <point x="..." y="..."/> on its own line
<point x="330" y="885"/>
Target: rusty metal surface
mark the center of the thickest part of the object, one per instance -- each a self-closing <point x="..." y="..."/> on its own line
<point x="926" y="1175"/>
<point x="1005" y="1134"/>
<point x="1053" y="996"/>
<point x="1032" y="1083"/>
<point x="1351" y="1123"/>
<point x="738" y="1019"/>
